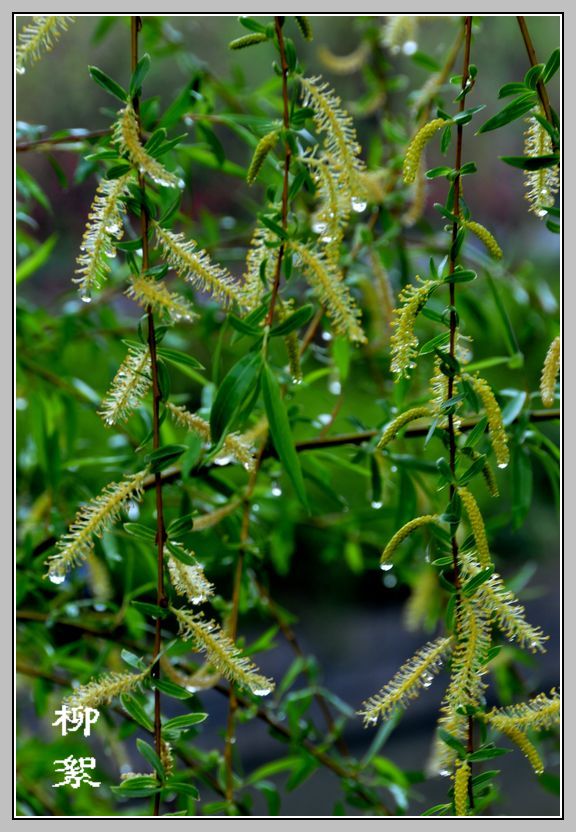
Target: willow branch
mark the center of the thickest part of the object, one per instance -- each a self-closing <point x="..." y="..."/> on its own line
<point x="53" y="141"/>
<point x="540" y="86"/>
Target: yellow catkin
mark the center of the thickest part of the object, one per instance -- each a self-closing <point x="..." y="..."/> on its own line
<point x="550" y="370"/>
<point x="345" y="64"/>
<point x="540" y="713"/>
<point x="477" y="525"/>
<point x="263" y="148"/>
<point x="127" y="136"/>
<point x="401" y="421"/>
<point x="461" y="779"/>
<point x="473" y="638"/>
<point x="403" y="533"/>
<point x="105" y="689"/>
<point x="93" y="520"/>
<point x="526" y="747"/>
<point x="541" y="185"/>
<point x="261" y="262"/>
<point x="189" y="579"/>
<point x="485" y="236"/>
<point x="202" y="679"/>
<point x="153" y="293"/>
<point x="305" y="26"/>
<point x="496" y="427"/>
<point x="235" y="445"/>
<point x="416" y="147"/>
<point x="399" y="34"/>
<point x="407" y="683"/>
<point x="132" y="381"/>
<point x="38" y="37"/>
<point x="404" y="342"/>
<point x="248" y="40"/>
<point x="166" y="757"/>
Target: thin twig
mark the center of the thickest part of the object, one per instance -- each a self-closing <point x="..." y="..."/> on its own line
<point x="50" y="141"/>
<point x="540" y="86"/>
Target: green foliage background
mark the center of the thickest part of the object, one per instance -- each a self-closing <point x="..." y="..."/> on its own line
<point x="320" y="569"/>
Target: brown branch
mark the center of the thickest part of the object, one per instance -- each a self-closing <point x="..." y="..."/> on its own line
<point x="50" y="141"/>
<point x="540" y="86"/>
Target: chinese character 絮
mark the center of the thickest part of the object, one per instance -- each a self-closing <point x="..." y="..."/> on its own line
<point x="74" y="771"/>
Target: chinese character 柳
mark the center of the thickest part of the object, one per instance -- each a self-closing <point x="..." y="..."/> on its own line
<point x="74" y="771"/>
<point x="71" y="719"/>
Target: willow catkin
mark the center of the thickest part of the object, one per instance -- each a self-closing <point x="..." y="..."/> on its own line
<point x="416" y="147"/>
<point x="550" y="370"/>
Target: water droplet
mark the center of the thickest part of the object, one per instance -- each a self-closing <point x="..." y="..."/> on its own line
<point x="390" y="581"/>
<point x="386" y="566"/>
<point x="358" y="204"/>
<point x="181" y="184"/>
<point x="327" y="238"/>
<point x="502" y="465"/>
<point x="409" y="47"/>
<point x="109" y="421"/>
<point x="319" y="227"/>
<point x="56" y="577"/>
<point x="426" y="683"/>
<point x="100" y="607"/>
<point x="393" y="469"/>
<point x="296" y="380"/>
<point x="133" y="511"/>
<point x="376" y="504"/>
<point x="372" y="720"/>
<point x="261" y="691"/>
<point x="335" y="387"/>
<point x="113" y="228"/>
<point x="326" y="336"/>
<point x="86" y="296"/>
<point x="256" y="507"/>
<point x="444" y="772"/>
<point x="223" y="460"/>
<point x="276" y="491"/>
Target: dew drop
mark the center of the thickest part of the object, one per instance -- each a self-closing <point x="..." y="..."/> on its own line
<point x="133" y="511"/>
<point x="426" y="683"/>
<point x="327" y="238"/>
<point x="409" y="47"/>
<point x="56" y="577"/>
<point x="502" y="465"/>
<point x="181" y="184"/>
<point x="444" y="772"/>
<point x="113" y="228"/>
<point x="390" y="581"/>
<point x="376" y="504"/>
<point x="296" y="380"/>
<point x="223" y="460"/>
<point x="276" y="491"/>
<point x="319" y="227"/>
<point x="386" y="566"/>
<point x="335" y="388"/>
<point x="86" y="297"/>
<point x="100" y="607"/>
<point x="372" y="720"/>
<point x="358" y="204"/>
<point x="109" y="421"/>
<point x="261" y="691"/>
<point x="256" y="507"/>
<point x="21" y="70"/>
<point x="326" y="336"/>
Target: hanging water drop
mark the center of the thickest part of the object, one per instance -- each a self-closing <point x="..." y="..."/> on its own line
<point x="20" y="70"/>
<point x="261" y="691"/>
<point x="409" y="47"/>
<point x="376" y="504"/>
<point x="86" y="296"/>
<point x="56" y="577"/>
<point x="386" y="566"/>
<point x="223" y="460"/>
<point x="358" y="204"/>
<point x="276" y="490"/>
<point x="335" y="387"/>
<point x="319" y="227"/>
<point x="502" y="465"/>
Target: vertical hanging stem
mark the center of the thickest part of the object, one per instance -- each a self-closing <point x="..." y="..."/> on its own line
<point x="278" y="23"/>
<point x="540" y="86"/>
<point x="454" y="326"/>
<point x="136" y="25"/>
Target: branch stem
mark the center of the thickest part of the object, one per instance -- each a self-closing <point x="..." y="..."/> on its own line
<point x="540" y="86"/>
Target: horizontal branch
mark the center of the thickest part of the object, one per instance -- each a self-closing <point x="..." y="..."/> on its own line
<point x="50" y="141"/>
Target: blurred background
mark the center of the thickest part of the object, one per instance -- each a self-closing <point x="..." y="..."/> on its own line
<point x="348" y="614"/>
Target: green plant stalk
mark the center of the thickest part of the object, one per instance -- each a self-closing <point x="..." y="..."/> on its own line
<point x="161" y="601"/>
<point x="453" y="330"/>
<point x="540" y="86"/>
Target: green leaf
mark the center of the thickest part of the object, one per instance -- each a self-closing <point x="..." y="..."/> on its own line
<point x="552" y="66"/>
<point x="273" y="226"/>
<point x="187" y="789"/>
<point x="171" y="689"/>
<point x="182" y="723"/>
<point x="514" y="406"/>
<point x="153" y="610"/>
<point x="476" y="433"/>
<point x="141" y="71"/>
<point x="476" y="581"/>
<point x="532" y="162"/>
<point x="108" y="84"/>
<point x="476" y="468"/>
<point x="164" y="457"/>
<point x="511" y="112"/>
<point x="36" y="260"/>
<point x="181" y="526"/>
<point x="243" y="327"/>
<point x="251" y="24"/>
<point x="438" y="341"/>
<point x="452" y="741"/>
<point x="141" y="532"/>
<point x="138" y="786"/>
<point x="294" y="321"/>
<point x="515" y="88"/>
<point x="133" y="707"/>
<point x="461" y="276"/>
<point x="178" y="357"/>
<point x="533" y="75"/>
<point x="281" y="433"/>
<point x="466" y="115"/>
<point x="236" y="395"/>
<point x="132" y="660"/>
<point x="434" y="173"/>
<point x="180" y="554"/>
<point x="487" y="753"/>
<point x="150" y="756"/>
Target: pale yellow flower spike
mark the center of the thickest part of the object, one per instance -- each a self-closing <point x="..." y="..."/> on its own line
<point x="417" y="673"/>
<point x="252" y="290"/>
<point x="542" y="185"/>
<point x="222" y="652"/>
<point x="149" y="292"/>
<point x="263" y="148"/>
<point x="127" y="136"/>
<point x="194" y="265"/>
<point x="38" y="37"/>
<point x="103" y="690"/>
<point x="401" y="421"/>
<point x="461" y="778"/>
<point x="540" y="713"/>
<point x="129" y="386"/>
<point x="416" y="147"/>
<point x="329" y="287"/>
<point x="526" y="747"/>
<point x="550" y="370"/>
<point x="496" y="427"/>
<point x="345" y="64"/>
<point x="473" y="634"/>
<point x="485" y="236"/>
<point x="399" y="33"/>
<point x="419" y="190"/>
<point x="404" y="342"/>
<point x="103" y="229"/>
<point x="235" y="445"/>
<point x="92" y="520"/>
<point x="403" y="533"/>
<point x="477" y="525"/>
<point x="189" y="579"/>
